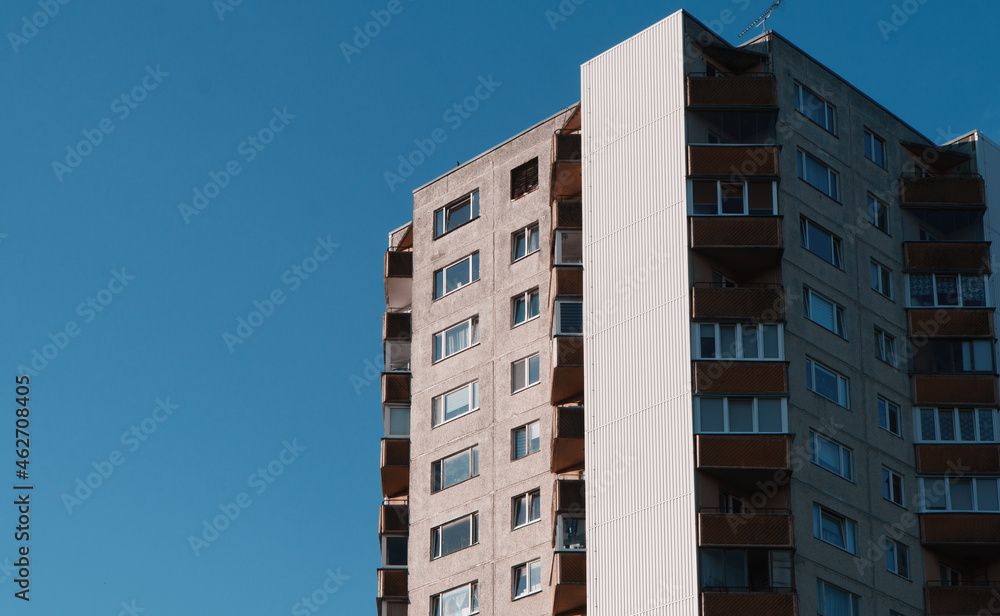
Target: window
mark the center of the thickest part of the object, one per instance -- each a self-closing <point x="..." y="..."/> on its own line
<point x="730" y="504"/>
<point x="567" y="319"/>
<point x="738" y="341"/>
<point x="524" y="178"/>
<point x="722" y="198"/>
<point x="524" y="373"/>
<point x="720" y="281"/>
<point x="524" y="307"/>
<point x="456" y="214"/>
<point x="526" y="440"/>
<point x="454" y="536"/>
<point x="456" y="275"/>
<point x="571" y="533"/>
<point x="397" y="356"/>
<point x="833" y="528"/>
<point x="888" y="416"/>
<point x="818" y="175"/>
<point x="741" y="415"/>
<point x="730" y="126"/>
<point x="456" y="339"/>
<point x="874" y="148"/>
<point x="527" y="579"/>
<point x="397" y="421"/>
<point x="942" y="356"/>
<point x="457" y="402"/>
<point x="526" y="508"/>
<point x="892" y="487"/>
<point x="833" y="601"/>
<point x="524" y="242"/>
<point x="831" y="455"/>
<point x="461" y="601"/>
<point x="956" y="425"/>
<point x="897" y="558"/>
<point x="455" y="469"/>
<point x="885" y="347"/>
<point x="949" y="575"/>
<point x="878" y="214"/>
<point x="881" y="279"/>
<point x="824" y="312"/>
<point x="756" y="570"/>
<point x="822" y="243"/>
<point x="394" y="551"/>
<point x="827" y="383"/>
<point x="569" y="248"/>
<point x="947" y="290"/>
<point x="815" y="108"/>
<point x="947" y="494"/>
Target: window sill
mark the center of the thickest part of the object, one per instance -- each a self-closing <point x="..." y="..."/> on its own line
<point x="517" y="391"/>
<point x="522" y="258"/>
<point x="436" y="238"/>
<point x="528" y="455"/>
<point x="447" y="357"/>
<point x="524" y="194"/>
<point x="534" y="318"/>
<point x="464" y="286"/>
<point x="436" y="558"/>
<point x="455" y="418"/>
<point x="836" y="546"/>
<point x="526" y="524"/>
<point x="527" y="594"/>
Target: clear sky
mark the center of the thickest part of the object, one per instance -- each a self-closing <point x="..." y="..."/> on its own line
<point x="120" y="283"/>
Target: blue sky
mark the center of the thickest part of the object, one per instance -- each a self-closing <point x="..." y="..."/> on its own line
<point x="126" y="281"/>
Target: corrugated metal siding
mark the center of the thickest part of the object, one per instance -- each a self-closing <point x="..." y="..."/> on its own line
<point x="641" y="523"/>
<point x="988" y="163"/>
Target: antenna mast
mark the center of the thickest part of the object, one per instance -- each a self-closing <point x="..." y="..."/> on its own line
<point x="762" y="19"/>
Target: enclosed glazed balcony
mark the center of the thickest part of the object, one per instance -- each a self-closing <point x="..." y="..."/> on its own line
<point x="740" y="377"/>
<point x="758" y="302"/>
<point x="742" y="243"/>
<point x="396" y="335"/>
<point x="967" y="599"/>
<point x="951" y="322"/>
<point x="566" y="163"/>
<point x="398" y="280"/>
<point x="567" y="439"/>
<point x="953" y="390"/>
<point x="957" y="257"/>
<point x="756" y="603"/>
<point x="972" y="458"/>
<point x="567" y="368"/>
<point x="745" y="459"/>
<point x="569" y="579"/>
<point x="758" y="528"/>
<point x="750" y="90"/>
<point x="733" y="161"/>
<point x="958" y="189"/>
<point x="396" y="388"/>
<point x="395" y="467"/>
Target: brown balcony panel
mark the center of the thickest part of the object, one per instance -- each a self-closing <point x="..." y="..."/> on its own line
<point x="961" y="528"/>
<point x="733" y="161"/>
<point x="569" y="146"/>
<point x="567" y="215"/>
<point x="398" y="264"/>
<point x="567" y="369"/>
<point x="743" y="243"/>
<point x="567" y="280"/>
<point x="947" y="256"/>
<point x="395" y="388"/>
<point x="955" y="390"/>
<point x="746" y="529"/>
<point x="740" y="377"/>
<point x="397" y="326"/>
<point x="970" y="458"/>
<point x="951" y="322"/>
<point x="392" y="608"/>
<point x="745" y="460"/>
<point x="567" y="178"/>
<point x="731" y="91"/>
<point x="398" y="279"/>
<point x="392" y="584"/>
<point x="963" y="600"/>
<point x="567" y="439"/>
<point x="395" y="467"/>
<point x="569" y="495"/>
<point x="943" y="190"/>
<point x="742" y="304"/>
<point x="756" y="603"/>
<point x="569" y="574"/>
<point x="394" y="519"/>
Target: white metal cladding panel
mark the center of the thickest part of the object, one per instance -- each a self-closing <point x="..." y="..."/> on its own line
<point x="640" y="481"/>
<point x="988" y="163"/>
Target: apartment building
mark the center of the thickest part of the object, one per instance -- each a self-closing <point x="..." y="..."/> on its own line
<point x="783" y="293"/>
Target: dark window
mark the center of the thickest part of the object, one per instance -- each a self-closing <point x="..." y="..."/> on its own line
<point x="524" y="178"/>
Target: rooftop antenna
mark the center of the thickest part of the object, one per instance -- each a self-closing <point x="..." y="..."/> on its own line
<point x="762" y="20"/>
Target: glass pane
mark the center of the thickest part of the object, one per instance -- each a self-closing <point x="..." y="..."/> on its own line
<point x="456" y="536"/>
<point x="736" y="569"/>
<point x="574" y="536"/>
<point x="534" y="437"/>
<point x="947" y="290"/>
<point x="967" y="425"/>
<point x="399" y="421"/>
<point x="727" y="341"/>
<point x="826" y="384"/>
<point x="520" y="581"/>
<point x="769" y="415"/>
<point x="533" y="375"/>
<point x="761" y="197"/>
<point x="459" y="214"/>
<point x="570" y="317"/>
<point x="457" y="275"/>
<point x="781" y="569"/>
<point x="986" y="495"/>
<point x="973" y="291"/>
<point x="982" y="356"/>
<point x="456" y="469"/>
<point x="439" y="222"/>
<point x="732" y="198"/>
<point x="827" y="454"/>
<point x="946" y="424"/>
<point x="457" y="339"/>
<point x="935" y="491"/>
<point x="820" y="243"/>
<point x="571" y="246"/>
<point x="927" y="432"/>
<point x="707" y="334"/>
<point x="520" y="511"/>
<point x="533" y="305"/>
<point x="456" y="403"/>
<point x="741" y="415"/>
<point x="533" y="239"/>
<point x="520" y="310"/>
<point x="713" y="571"/>
<point x="520" y="443"/>
<point x="961" y="494"/>
<point x="438" y="284"/>
<point x="832" y="530"/>
<point x="518" y="375"/>
<point x="986" y="431"/>
<point x="536" y="507"/>
<point x="475" y="266"/>
<point x="921" y="290"/>
<point x="821" y="311"/>
<point x="772" y="347"/>
<point x="395" y="551"/>
<point x="520" y="245"/>
<point x="535" y="576"/>
<point x="705" y="196"/>
<point x="456" y="602"/>
<point x="711" y="413"/>
<point x="750" y="350"/>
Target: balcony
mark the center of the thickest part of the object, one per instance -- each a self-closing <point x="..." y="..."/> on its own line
<point x="566" y="174"/>
<point x="569" y="576"/>
<point x="743" y="243"/>
<point x="395" y="467"/>
<point x="972" y="458"/>
<point x="756" y="603"/>
<point x="756" y="90"/>
<point x="744" y="460"/>
<point x="733" y="161"/>
<point x="954" y="390"/>
<point x="392" y="584"/>
<point x="969" y="533"/>
<point x="947" y="256"/>
<point x="567" y="214"/>
<point x="740" y="377"/>
<point x="951" y="322"/>
<point x="398" y="280"/>
<point x="567" y="368"/>
<point x="567" y="439"/>
<point x="968" y="599"/>
<point x="395" y="388"/>
<point x="393" y="518"/>
<point x="566" y="280"/>
<point x="761" y="302"/>
<point x="569" y="496"/>
<point x="959" y="189"/>
<point x="770" y="528"/>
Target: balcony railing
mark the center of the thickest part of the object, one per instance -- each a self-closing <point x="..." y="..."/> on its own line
<point x="742" y="243"/>
<point x="947" y="256"/>
<point x="967" y="599"/>
<point x="951" y="322"/>
<point x="398" y="280"/>
<point x="566" y="173"/>
<point x="392" y="584"/>
<point x="759" y="528"/>
<point x="733" y="161"/>
<point x="569" y="577"/>
<point x="395" y="388"/>
<point x="566" y="281"/>
<point x="569" y="496"/>
<point x="746" y="459"/>
<point x="395" y="467"/>
<point x="567" y="214"/>
<point x="759" y="302"/>
<point x="756" y="603"/>
<point x="567" y="438"/>
<point x="568" y="147"/>
<point x="972" y="458"/>
<point x="740" y="377"/>
<point x="393" y="519"/>
<point x="950" y="390"/>
<point x="567" y="368"/>
<point x="756" y="90"/>
<point x="966" y="189"/>
<point x="968" y="530"/>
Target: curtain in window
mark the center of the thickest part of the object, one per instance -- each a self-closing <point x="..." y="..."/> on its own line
<point x="457" y="338"/>
<point x="520" y="443"/>
<point x="921" y="290"/>
<point x="821" y="311"/>
<point x="834" y="602"/>
<point x="947" y="290"/>
<point x="456" y="536"/>
<point x="986" y="426"/>
<point x="927" y="432"/>
<point x="973" y="291"/>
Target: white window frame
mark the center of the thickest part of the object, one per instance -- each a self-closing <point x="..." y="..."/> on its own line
<point x="472" y="588"/>
<point x="559" y="246"/>
<point x="845" y="456"/>
<point x="954" y="412"/>
<point x="880" y="275"/>
<point x="527" y="232"/>
<point x="836" y="310"/>
<point x="876" y="205"/>
<point x="470" y="261"/>
<point x="437" y="467"/>
<point x="948" y="508"/>
<point x="526" y="500"/>
<point x="890" y="492"/>
<point x="848" y="528"/>
<point x="853" y="600"/>
<point x="561" y="528"/>
<point x="472" y="323"/>
<point x="387" y="419"/>
<point x="843" y="383"/>
<point x="725" y="414"/>
<point x="526" y="298"/>
<point x="471" y="198"/>
<point x="832" y="177"/>
<point x="437" y="532"/>
<point x="438" y="411"/>
<point x="836" y="244"/>
<point x="528" y="428"/>
<point x="897" y="553"/>
<point x="961" y="299"/>
<point x="871" y="139"/>
<point x="530" y="569"/>
<point x="738" y="352"/>
<point x="886" y="347"/>
<point x="746" y="198"/>
<point x="886" y="407"/>
<point x="384" y="543"/>
<point x="557" y="316"/>
<point x="526" y="361"/>
<point x="829" y="111"/>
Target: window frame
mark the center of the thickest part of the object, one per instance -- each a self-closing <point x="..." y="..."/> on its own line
<point x="529" y="499"/>
<point x="880" y="274"/>
<point x="836" y="243"/>
<point x="531" y="567"/>
<point x="527" y="233"/>
<point x="387" y="420"/>
<point x="832" y="175"/>
<point x="874" y="206"/>
<point x="528" y="383"/>
<point x="437" y="533"/>
<point x="746" y="198"/>
<point x="561" y="527"/>
<point x="525" y="168"/>
<point x="473" y="266"/>
<point x="896" y="553"/>
<point x="843" y="383"/>
<point x="471" y="197"/>
<point x="738" y="349"/>
<point x="384" y="550"/>
<point x="473" y="387"/>
<point x="557" y="323"/>
<point x="886" y="347"/>
<point x="755" y="409"/>
<point x="882" y="402"/>
<point x="845" y="455"/>
<point x="948" y="508"/>
<point x="437" y="468"/>
<point x="853" y="600"/>
<point x="958" y="282"/>
<point x="473" y="324"/>
<point x="559" y="247"/>
<point x="526" y="298"/>
<point x="837" y="311"/>
<point x="526" y="428"/>
<point x="889" y="487"/>
<point x="847" y="527"/>
<point x="956" y="426"/>
<point x="870" y="141"/>
<point x="473" y="590"/>
<point x="829" y="109"/>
